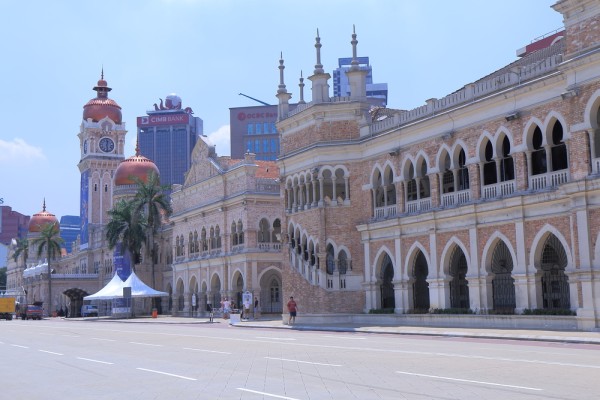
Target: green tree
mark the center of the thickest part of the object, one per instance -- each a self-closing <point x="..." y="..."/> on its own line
<point x="152" y="202"/>
<point x="22" y="250"/>
<point x="48" y="242"/>
<point x="126" y="226"/>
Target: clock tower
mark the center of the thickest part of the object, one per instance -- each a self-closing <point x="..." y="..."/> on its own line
<point x="102" y="141"/>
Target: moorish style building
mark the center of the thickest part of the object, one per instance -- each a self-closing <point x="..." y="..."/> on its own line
<point x="226" y="231"/>
<point x="486" y="200"/>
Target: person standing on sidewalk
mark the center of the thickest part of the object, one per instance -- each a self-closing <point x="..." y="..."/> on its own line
<point x="292" y="309"/>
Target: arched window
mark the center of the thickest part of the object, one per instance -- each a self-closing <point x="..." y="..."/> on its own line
<point x="191" y="244"/>
<point x="463" y="171"/>
<point x="218" y="236"/>
<point x="196" y="245"/>
<point x="276" y="231"/>
<point x="507" y="167"/>
<point x="558" y="148"/>
<point x="538" y="154"/>
<point x="234" y="237"/>
<point x="342" y="262"/>
<point x="240" y="231"/>
<point x="213" y="239"/>
<point x="330" y="260"/>
<point x="489" y="165"/>
<point x="203" y="240"/>
<point x="263" y="231"/>
<point x="411" y="184"/>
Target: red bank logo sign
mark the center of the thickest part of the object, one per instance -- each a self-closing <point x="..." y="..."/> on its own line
<point x="242" y="116"/>
<point x="163" y="119"/>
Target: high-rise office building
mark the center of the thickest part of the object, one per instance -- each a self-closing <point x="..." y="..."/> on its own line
<point x="70" y="227"/>
<point x="167" y="135"/>
<point x="252" y="129"/>
<point x="13" y="225"/>
<point x="376" y="92"/>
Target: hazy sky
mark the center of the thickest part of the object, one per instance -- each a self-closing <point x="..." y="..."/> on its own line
<point x="207" y="52"/>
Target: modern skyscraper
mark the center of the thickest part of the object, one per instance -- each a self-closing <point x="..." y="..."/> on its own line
<point x="13" y="225"/>
<point x="70" y="227"/>
<point x="167" y="135"/>
<point x="341" y="87"/>
<point x="252" y="129"/>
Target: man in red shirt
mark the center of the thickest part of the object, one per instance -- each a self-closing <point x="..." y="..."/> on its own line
<point x="292" y="308"/>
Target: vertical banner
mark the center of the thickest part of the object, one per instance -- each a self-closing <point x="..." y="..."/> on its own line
<point x="121" y="262"/>
<point x="83" y="208"/>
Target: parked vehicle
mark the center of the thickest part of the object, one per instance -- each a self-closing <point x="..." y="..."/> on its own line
<point x="7" y="308"/>
<point x="32" y="312"/>
<point x="89" y="310"/>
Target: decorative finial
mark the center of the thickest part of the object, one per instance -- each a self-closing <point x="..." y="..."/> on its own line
<point x="354" y="42"/>
<point x="102" y="73"/>
<point x="44" y="206"/>
<point x="301" y="84"/>
<point x="281" y="88"/>
<point x="137" y="146"/>
<point x="318" y="45"/>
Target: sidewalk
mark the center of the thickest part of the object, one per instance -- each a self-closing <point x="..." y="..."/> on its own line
<point x="583" y="337"/>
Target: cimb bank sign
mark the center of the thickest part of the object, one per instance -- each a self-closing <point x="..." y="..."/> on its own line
<point x="163" y="119"/>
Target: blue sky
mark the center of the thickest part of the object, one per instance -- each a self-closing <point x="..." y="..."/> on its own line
<point x="209" y="51"/>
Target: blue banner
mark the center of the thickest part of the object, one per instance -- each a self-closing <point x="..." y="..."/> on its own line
<point x="121" y="263"/>
<point x="83" y="209"/>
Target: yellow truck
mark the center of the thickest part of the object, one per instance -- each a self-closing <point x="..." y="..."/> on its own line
<point x="7" y="307"/>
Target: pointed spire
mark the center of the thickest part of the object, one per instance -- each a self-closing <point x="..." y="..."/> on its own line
<point x="102" y="73"/>
<point x="301" y="84"/>
<point x="354" y="42"/>
<point x="44" y="206"/>
<point x="318" y="45"/>
<point x="282" y="88"/>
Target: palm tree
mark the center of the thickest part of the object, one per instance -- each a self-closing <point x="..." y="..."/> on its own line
<point x="21" y="250"/>
<point x="49" y="242"/>
<point x="126" y="226"/>
<point x="151" y="200"/>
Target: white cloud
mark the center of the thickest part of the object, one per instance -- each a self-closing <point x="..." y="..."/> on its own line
<point x="19" y="151"/>
<point x="220" y="138"/>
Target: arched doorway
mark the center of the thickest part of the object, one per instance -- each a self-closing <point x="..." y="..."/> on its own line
<point x="503" y="284"/>
<point x="554" y="281"/>
<point x="271" y="295"/>
<point x="75" y="296"/>
<point x="459" y="286"/>
<point x="388" y="299"/>
<point x="420" y="284"/>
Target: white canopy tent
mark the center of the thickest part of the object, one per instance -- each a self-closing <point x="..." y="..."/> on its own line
<point x="114" y="289"/>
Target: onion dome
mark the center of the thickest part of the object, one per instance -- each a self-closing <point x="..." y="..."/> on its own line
<point x="39" y="220"/>
<point x="136" y="166"/>
<point x="102" y="106"/>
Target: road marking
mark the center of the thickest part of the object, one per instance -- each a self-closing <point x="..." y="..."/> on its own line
<point x="52" y="352"/>
<point x="468" y="381"/>
<point x="207" y="351"/>
<point x="267" y="394"/>
<point x="18" y="345"/>
<point x="166" y="373"/>
<point x="106" y="340"/>
<point x="71" y="335"/>
<point x="147" y="344"/>
<point x="343" y="337"/>
<point x="303" y="362"/>
<point x="96" y="361"/>
<point x="274" y="338"/>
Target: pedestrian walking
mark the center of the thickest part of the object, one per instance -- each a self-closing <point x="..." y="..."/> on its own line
<point x="256" y="310"/>
<point x="292" y="307"/>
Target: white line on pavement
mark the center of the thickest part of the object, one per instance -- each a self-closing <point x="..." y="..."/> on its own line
<point x="51" y="352"/>
<point x="343" y="337"/>
<point x="166" y="373"/>
<point x="106" y="340"/>
<point x="274" y="338"/>
<point x="18" y="345"/>
<point x="206" y="351"/>
<point x="96" y="361"/>
<point x="303" y="362"/>
<point x="147" y="344"/>
<point x="468" y="381"/>
<point x="267" y="394"/>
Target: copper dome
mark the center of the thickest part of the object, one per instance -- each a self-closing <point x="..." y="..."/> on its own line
<point x="136" y="166"/>
<point x="102" y="106"/>
<point x="39" y="220"/>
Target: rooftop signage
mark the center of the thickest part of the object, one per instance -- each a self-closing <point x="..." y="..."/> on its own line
<point x="170" y="119"/>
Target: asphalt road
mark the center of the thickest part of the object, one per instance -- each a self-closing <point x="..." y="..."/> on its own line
<point x="57" y="359"/>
